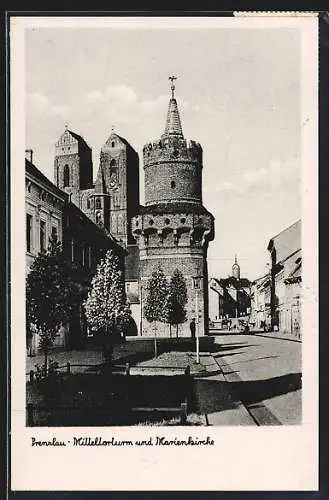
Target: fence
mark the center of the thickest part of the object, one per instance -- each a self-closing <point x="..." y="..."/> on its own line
<point x="38" y="373"/>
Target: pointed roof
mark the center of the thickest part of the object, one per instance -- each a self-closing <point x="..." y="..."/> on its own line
<point x="287" y="242"/>
<point x="235" y="262"/>
<point x="69" y="133"/>
<point x="173" y="124"/>
<point x="114" y="135"/>
<point x="100" y="185"/>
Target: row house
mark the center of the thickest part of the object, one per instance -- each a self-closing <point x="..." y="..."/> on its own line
<point x="50" y="212"/>
<point x="229" y="297"/>
<point x="286" y="280"/>
<point x="260" y="317"/>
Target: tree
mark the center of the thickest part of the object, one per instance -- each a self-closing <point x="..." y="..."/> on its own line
<point x="154" y="310"/>
<point x="176" y="300"/>
<point x="106" y="307"/>
<point x="51" y="295"/>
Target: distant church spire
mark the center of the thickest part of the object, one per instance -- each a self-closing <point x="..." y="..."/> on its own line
<point x="173" y="124"/>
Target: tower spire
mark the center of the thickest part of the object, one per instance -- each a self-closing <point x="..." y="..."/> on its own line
<point x="236" y="268"/>
<point x="172" y="78"/>
<point x="173" y="125"/>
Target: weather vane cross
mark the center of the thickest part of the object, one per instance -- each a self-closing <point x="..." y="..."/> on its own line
<point x="172" y="78"/>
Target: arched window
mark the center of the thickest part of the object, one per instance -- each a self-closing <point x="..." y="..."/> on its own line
<point x="66" y="176"/>
<point x="113" y="144"/>
<point x="88" y="202"/>
<point x="113" y="167"/>
<point x="173" y="184"/>
<point x="98" y="203"/>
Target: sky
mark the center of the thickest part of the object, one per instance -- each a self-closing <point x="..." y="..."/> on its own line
<point x="238" y="92"/>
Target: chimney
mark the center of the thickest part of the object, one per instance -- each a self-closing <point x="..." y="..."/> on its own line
<point x="29" y="155"/>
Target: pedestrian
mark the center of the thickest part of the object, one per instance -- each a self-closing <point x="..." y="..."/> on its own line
<point x="192" y="328"/>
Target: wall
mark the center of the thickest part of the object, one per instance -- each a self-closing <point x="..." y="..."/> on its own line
<point x="168" y="160"/>
<point x="159" y="179"/>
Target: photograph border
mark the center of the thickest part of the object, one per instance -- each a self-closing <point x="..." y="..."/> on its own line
<point x="81" y="494"/>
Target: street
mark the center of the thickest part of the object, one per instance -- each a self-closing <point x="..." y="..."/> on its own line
<point x="264" y="374"/>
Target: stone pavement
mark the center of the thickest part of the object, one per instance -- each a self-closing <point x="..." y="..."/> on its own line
<point x="216" y="401"/>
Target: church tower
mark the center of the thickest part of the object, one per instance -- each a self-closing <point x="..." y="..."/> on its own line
<point x="73" y="169"/>
<point x="236" y="269"/>
<point x="173" y="229"/>
<point x="117" y="187"/>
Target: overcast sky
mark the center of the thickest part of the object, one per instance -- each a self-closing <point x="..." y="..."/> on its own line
<point x="238" y="93"/>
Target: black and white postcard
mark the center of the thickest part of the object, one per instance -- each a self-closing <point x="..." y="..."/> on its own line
<point x="164" y="329"/>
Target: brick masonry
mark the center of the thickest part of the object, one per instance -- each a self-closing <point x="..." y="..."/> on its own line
<point x="177" y="235"/>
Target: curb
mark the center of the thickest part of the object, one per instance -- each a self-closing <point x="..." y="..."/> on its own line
<point x="276" y="337"/>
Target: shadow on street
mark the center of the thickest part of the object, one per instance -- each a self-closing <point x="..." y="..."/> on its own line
<point x="255" y="391"/>
<point x="215" y="395"/>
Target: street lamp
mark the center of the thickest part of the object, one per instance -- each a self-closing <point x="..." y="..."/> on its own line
<point x="197" y="287"/>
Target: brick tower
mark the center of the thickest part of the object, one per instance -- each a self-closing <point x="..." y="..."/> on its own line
<point x="73" y="168"/>
<point x="173" y="229"/>
<point x="118" y="199"/>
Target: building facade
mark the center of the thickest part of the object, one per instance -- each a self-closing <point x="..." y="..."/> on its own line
<point x="44" y="207"/>
<point x="260" y="317"/>
<point x="111" y="201"/>
<point x="286" y="279"/>
<point x="173" y="229"/>
<point x="230" y="296"/>
<point x="49" y="213"/>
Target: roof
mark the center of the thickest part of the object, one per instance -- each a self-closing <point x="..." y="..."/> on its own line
<point x="215" y="285"/>
<point x="174" y="207"/>
<point x="296" y="274"/>
<point x="173" y="123"/>
<point x="100" y="184"/>
<point x="287" y="242"/>
<point x="236" y="283"/>
<point x="75" y="211"/>
<point x="79" y="138"/>
<point x="122" y="139"/>
<point x="262" y="280"/>
<point x="35" y="172"/>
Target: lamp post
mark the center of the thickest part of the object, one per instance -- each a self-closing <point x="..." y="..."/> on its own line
<point x="197" y="326"/>
<point x="196" y="284"/>
<point x="141" y="309"/>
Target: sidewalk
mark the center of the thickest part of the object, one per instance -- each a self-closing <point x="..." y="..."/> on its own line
<point x="277" y="335"/>
<point x="216" y="401"/>
<point x="260" y="333"/>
